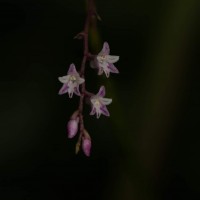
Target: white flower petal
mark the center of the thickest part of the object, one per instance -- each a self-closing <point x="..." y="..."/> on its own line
<point x="103" y="65"/>
<point x="113" y="69"/>
<point x="106" y="101"/>
<point x="71" y="89"/>
<point x="64" y="79"/>
<point x="76" y="91"/>
<point x="93" y="111"/>
<point x="105" y="111"/>
<point x="107" y="72"/>
<point x="98" y="114"/>
<point x="70" y="94"/>
<point x="112" y="59"/>
<point x="80" y="80"/>
<point x="63" y="89"/>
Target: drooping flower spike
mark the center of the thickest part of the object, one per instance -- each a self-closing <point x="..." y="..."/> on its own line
<point x="99" y="103"/>
<point x="104" y="62"/>
<point x="71" y="82"/>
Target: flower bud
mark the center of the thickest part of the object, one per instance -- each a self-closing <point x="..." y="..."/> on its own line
<point x="72" y="127"/>
<point x="86" y="143"/>
<point x="86" y="146"/>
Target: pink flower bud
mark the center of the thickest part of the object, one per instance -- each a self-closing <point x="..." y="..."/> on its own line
<point x="86" y="146"/>
<point x="72" y="127"/>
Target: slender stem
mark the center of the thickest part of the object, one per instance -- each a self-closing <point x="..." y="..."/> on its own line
<point x="88" y="94"/>
<point x="86" y="55"/>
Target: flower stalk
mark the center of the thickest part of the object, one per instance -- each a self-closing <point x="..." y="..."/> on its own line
<point x="90" y="11"/>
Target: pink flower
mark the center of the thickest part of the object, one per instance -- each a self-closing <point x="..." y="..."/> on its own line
<point x="72" y="127"/>
<point x="99" y="103"/>
<point x="104" y="62"/>
<point x="71" y="82"/>
<point x="86" y="143"/>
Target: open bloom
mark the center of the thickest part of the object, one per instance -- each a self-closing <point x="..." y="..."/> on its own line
<point x="71" y="82"/>
<point x="99" y="103"/>
<point x="104" y="62"/>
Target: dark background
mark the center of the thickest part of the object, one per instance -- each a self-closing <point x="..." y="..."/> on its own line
<point x="148" y="148"/>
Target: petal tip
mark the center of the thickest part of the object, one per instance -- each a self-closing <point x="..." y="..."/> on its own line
<point x="72" y="69"/>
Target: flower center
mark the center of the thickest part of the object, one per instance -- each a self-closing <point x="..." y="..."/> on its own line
<point x="97" y="103"/>
<point x="102" y="58"/>
<point x="72" y="79"/>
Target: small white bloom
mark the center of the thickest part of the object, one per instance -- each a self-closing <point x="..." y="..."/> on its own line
<point x="104" y="62"/>
<point x="71" y="82"/>
<point x="99" y="103"/>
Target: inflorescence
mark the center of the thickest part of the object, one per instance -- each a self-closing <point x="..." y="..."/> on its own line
<point x="104" y="63"/>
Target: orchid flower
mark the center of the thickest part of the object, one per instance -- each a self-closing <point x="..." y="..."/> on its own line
<point x="71" y="82"/>
<point x="104" y="62"/>
<point x="99" y="103"/>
